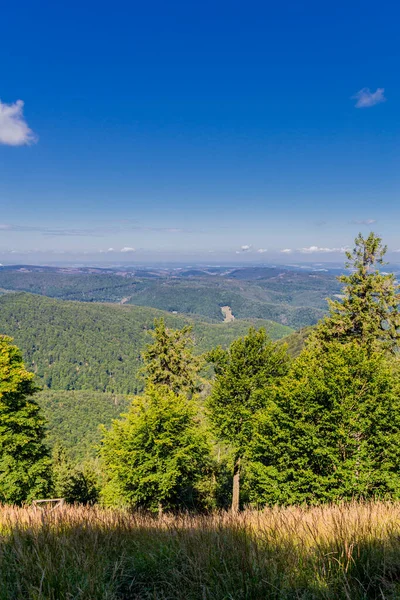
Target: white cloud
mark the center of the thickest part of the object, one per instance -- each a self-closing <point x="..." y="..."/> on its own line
<point x="318" y="249"/>
<point x="14" y="130"/>
<point x="127" y="249"/>
<point x="244" y="248"/>
<point x="110" y="250"/>
<point x="286" y="251"/>
<point x="262" y="250"/>
<point x="365" y="98"/>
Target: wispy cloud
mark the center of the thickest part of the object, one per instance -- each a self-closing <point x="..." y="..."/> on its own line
<point x="262" y="250"/>
<point x="321" y="250"/>
<point x="14" y="130"/>
<point x="363" y="221"/>
<point x="365" y="98"/>
<point x="100" y="231"/>
<point x="287" y="251"/>
<point x="128" y="249"/>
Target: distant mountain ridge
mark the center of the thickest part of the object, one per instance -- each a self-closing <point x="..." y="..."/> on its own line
<point x="290" y="297"/>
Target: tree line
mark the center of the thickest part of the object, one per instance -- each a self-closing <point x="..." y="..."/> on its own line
<point x="323" y="427"/>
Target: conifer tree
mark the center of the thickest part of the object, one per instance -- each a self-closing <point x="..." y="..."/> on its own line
<point x="24" y="458"/>
<point x="245" y="375"/>
<point x="369" y="309"/>
<point x="169" y="360"/>
<point x="157" y="456"/>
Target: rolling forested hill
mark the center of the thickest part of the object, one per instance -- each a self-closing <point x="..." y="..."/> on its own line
<point x="87" y="357"/>
<point x="93" y="346"/>
<point x="296" y="298"/>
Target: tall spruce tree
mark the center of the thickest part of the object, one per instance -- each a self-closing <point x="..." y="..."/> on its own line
<point x="245" y="376"/>
<point x="333" y="431"/>
<point x="369" y="309"/>
<point x="157" y="456"/>
<point x="169" y="360"/>
<point x="24" y="458"/>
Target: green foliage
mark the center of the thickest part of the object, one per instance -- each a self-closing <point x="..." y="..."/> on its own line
<point x="244" y="375"/>
<point x="169" y="360"/>
<point x="296" y="341"/>
<point x="369" y="310"/>
<point x="157" y="456"/>
<point x="74" y="419"/>
<point x="76" y="484"/>
<point x="24" y="459"/>
<point x="333" y="431"/>
<point x="87" y="346"/>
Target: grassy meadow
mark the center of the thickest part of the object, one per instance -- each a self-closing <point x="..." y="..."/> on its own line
<point x="347" y="551"/>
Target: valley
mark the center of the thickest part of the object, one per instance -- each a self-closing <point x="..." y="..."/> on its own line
<point x="292" y="297"/>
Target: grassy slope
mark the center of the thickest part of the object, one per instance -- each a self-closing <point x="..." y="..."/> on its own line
<point x="345" y="552"/>
<point x="73" y="345"/>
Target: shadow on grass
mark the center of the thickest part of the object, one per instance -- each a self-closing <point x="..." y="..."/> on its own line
<point x="61" y="559"/>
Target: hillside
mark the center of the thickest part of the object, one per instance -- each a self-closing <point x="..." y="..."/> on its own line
<point x="92" y="346"/>
<point x="74" y="418"/>
<point x="296" y="298"/>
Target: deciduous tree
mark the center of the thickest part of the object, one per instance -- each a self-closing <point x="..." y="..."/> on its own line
<point x="333" y="431"/>
<point x="245" y="375"/>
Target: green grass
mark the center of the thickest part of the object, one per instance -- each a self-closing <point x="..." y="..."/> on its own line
<point x="348" y="552"/>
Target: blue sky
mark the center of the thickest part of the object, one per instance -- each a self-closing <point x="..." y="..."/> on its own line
<point x="197" y="131"/>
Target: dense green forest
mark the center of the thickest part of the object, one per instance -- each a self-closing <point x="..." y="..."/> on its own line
<point x="73" y="418"/>
<point x="81" y="346"/>
<point x="206" y="298"/>
<point x="291" y="297"/>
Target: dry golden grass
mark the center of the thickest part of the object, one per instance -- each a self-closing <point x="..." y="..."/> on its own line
<point x="348" y="551"/>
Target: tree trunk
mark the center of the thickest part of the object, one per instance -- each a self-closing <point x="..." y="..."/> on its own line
<point x="236" y="486"/>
